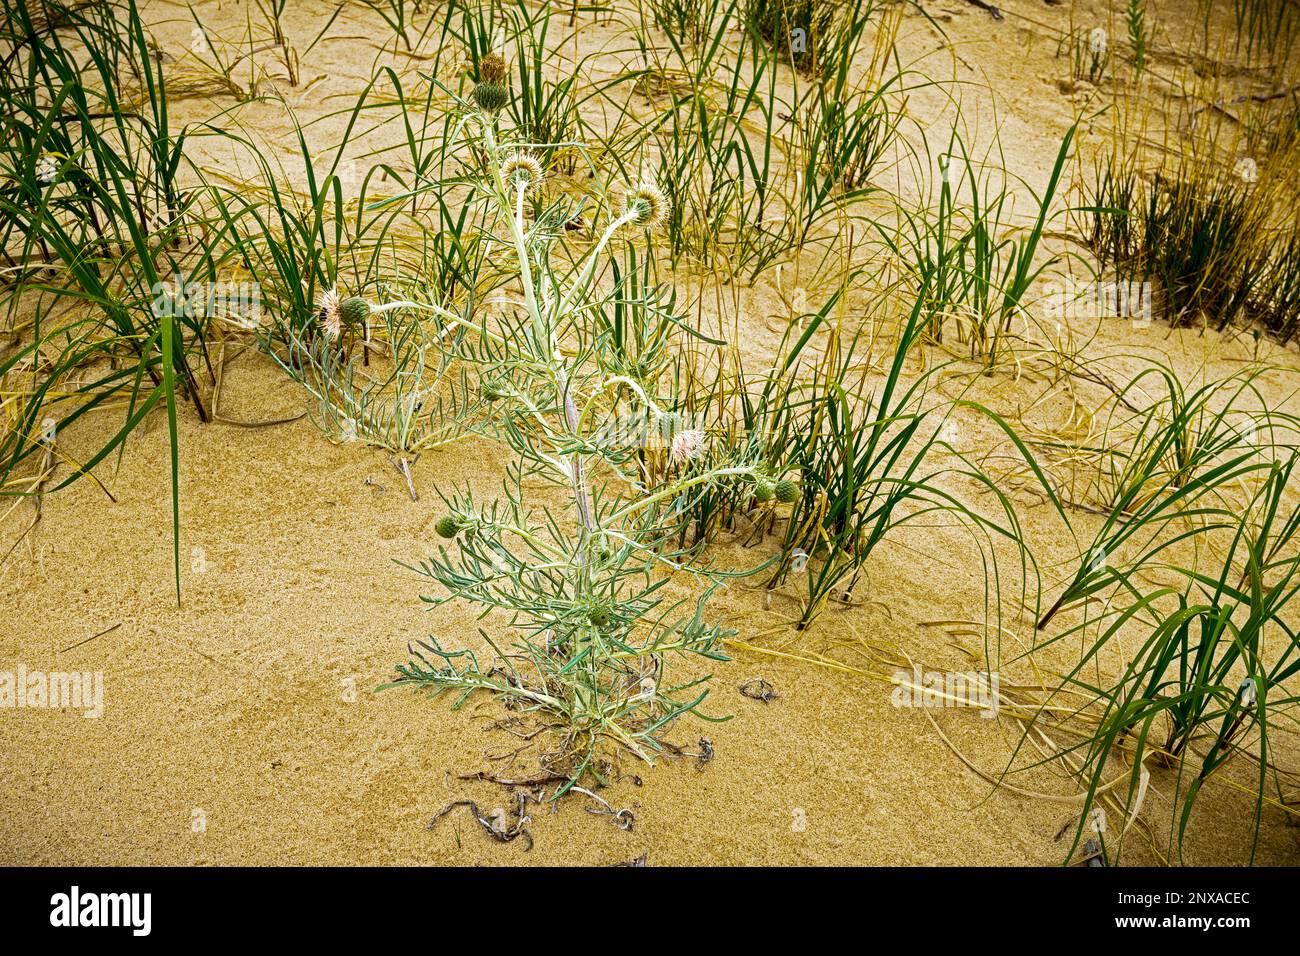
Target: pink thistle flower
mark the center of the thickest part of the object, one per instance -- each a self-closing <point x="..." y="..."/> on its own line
<point x="330" y="314"/>
<point x="687" y="445"/>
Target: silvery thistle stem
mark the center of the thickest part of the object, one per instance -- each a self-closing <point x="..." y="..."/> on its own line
<point x="579" y="481"/>
<point x="541" y="330"/>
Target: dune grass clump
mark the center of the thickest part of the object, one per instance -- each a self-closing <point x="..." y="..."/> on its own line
<point x="799" y="31"/>
<point x="1206" y="681"/>
<point x="871" y="457"/>
<point x="757" y="174"/>
<point x="1109" y="220"/>
<point x="1202" y="236"/>
<point x="1264" y="31"/>
<point x="975" y="271"/>
<point x="1197" y="244"/>
<point x="1184" y="450"/>
<point x="1180" y="600"/>
<point x="1279" y="306"/>
<point x="579" y="575"/>
<point x="847" y="455"/>
<point x="95" y="223"/>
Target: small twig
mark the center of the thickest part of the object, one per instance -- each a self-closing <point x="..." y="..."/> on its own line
<point x="107" y="630"/>
<point x="493" y="778"/>
<point x="993" y="11"/>
<point x="704" y="756"/>
<point x="623" y="819"/>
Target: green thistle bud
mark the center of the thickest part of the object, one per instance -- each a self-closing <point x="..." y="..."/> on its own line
<point x="448" y="526"/>
<point x="786" y="491"/>
<point x="495" y="390"/>
<point x="491" y="97"/>
<point x="764" y="488"/>
<point x="599" y="616"/>
<point x="355" y="311"/>
<point x="600" y="546"/>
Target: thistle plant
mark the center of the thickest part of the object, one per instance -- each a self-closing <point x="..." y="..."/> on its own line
<point x="413" y="399"/>
<point x="577" y="572"/>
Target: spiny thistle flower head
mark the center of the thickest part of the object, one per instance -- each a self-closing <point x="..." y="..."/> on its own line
<point x="448" y="526"/>
<point x="645" y="205"/>
<point x="330" y="314"/>
<point x="687" y="445"/>
<point x="522" y="170"/>
<point x="492" y="68"/>
<point x="764" y="488"/>
<point x="786" y="490"/>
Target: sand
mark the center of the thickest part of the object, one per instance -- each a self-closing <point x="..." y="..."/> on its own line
<point x="241" y="727"/>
